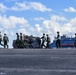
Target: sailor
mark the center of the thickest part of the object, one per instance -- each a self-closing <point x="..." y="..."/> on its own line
<point x="17" y="40"/>
<point x="39" y="41"/>
<point x="58" y="44"/>
<point x="5" y="40"/>
<point x="47" y="41"/>
<point x="21" y="36"/>
<point x="17" y="36"/>
<point x="1" y="39"/>
<point x="75" y="41"/>
<point x="21" y="44"/>
<point x="43" y="40"/>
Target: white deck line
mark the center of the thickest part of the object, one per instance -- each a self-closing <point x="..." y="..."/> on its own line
<point x="39" y="70"/>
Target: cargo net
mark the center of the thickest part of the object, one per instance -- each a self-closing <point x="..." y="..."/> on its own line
<point x="27" y="42"/>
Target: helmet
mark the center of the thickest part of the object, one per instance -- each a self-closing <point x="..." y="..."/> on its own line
<point x="46" y="34"/>
<point x="4" y="33"/>
<point x="57" y="31"/>
<point x="43" y="33"/>
<point x="21" y="33"/>
<point x="16" y="33"/>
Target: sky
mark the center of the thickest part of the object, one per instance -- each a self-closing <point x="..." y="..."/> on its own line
<point x="35" y="17"/>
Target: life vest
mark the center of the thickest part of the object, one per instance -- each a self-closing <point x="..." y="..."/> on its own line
<point x="58" y="37"/>
<point x="48" y="39"/>
<point x="5" y="38"/>
<point x="0" y="37"/>
<point x="43" y="38"/>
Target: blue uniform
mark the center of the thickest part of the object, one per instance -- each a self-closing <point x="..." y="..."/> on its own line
<point x="75" y="42"/>
<point x="58" y="44"/>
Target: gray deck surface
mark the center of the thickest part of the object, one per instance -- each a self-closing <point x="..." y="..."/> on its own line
<point x="37" y="61"/>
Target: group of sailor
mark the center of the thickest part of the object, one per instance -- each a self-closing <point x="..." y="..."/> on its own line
<point x="5" y="40"/>
<point x="44" y="38"/>
<point x="58" y="40"/>
<point x="41" y="41"/>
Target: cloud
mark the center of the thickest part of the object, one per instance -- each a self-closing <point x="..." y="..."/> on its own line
<point x="51" y="26"/>
<point x="63" y="25"/>
<point x="1" y="29"/>
<point x="70" y="9"/>
<point x="54" y="24"/>
<point x="13" y="22"/>
<point x="18" y="24"/>
<point x="20" y="6"/>
<point x="25" y="6"/>
<point x="39" y="19"/>
<point x="31" y="5"/>
<point x="58" y="18"/>
<point x="57" y="23"/>
<point x="6" y="31"/>
<point x="38" y="28"/>
<point x="11" y="0"/>
<point x="12" y="33"/>
<point x="24" y="31"/>
<point x="39" y="6"/>
<point x="3" y="8"/>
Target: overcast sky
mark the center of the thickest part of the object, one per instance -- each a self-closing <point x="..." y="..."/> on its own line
<point x="34" y="17"/>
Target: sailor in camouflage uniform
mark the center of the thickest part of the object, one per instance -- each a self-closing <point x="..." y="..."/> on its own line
<point x="58" y="44"/>
<point x="75" y="41"/>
